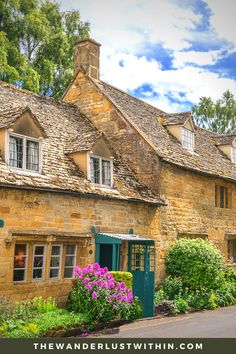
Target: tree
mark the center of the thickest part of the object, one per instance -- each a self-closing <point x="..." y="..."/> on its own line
<point x="36" y="44"/>
<point x="219" y="116"/>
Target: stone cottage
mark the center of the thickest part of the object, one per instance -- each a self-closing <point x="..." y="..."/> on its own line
<point x="192" y="169"/>
<point x="60" y="177"/>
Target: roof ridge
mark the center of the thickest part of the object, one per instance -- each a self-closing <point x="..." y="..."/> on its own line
<point x="30" y="93"/>
<point x="128" y="94"/>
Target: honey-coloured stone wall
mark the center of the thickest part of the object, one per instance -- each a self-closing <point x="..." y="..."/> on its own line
<point x="51" y="218"/>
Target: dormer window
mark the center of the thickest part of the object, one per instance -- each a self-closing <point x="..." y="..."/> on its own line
<point x="187" y="139"/>
<point x="233" y="155"/>
<point x="101" y="171"/>
<point x="24" y="152"/>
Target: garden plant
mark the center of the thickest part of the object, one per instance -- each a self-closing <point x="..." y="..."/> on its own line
<point x="197" y="279"/>
<point x="96" y="293"/>
<point x="95" y="297"/>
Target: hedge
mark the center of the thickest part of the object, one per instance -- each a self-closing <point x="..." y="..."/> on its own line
<point x="125" y="277"/>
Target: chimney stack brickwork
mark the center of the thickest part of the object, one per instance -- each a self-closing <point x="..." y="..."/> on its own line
<point x="86" y="58"/>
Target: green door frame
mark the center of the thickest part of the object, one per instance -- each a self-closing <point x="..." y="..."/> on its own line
<point x="115" y="242"/>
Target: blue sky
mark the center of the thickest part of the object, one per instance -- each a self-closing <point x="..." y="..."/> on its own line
<point x="166" y="52"/>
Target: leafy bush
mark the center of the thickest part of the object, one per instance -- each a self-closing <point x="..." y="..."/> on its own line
<point x="172" y="287"/>
<point x="180" y="305"/>
<point x="125" y="277"/>
<point x="198" y="263"/>
<point x="96" y="293"/>
<point x="34" y="318"/>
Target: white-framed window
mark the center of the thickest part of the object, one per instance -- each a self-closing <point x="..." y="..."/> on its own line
<point x="23" y="152"/>
<point x="233" y="155"/>
<point x="187" y="139"/>
<point x="38" y="262"/>
<point x="101" y="171"/>
<point x="20" y="262"/>
<point x="55" y="262"/>
<point x="70" y="260"/>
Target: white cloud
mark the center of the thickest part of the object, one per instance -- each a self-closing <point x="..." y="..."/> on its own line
<point x="125" y="28"/>
<point x="192" y="81"/>
<point x="180" y="59"/>
<point x="223" y="18"/>
<point x="125" y="25"/>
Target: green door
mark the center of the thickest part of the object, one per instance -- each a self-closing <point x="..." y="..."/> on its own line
<point x="141" y="263"/>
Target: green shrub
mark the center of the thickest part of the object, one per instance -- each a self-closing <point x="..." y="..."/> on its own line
<point x="172" y="287"/>
<point x="198" y="263"/>
<point x="125" y="277"/>
<point x="180" y="306"/>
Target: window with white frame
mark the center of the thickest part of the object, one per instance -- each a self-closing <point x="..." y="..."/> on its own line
<point x="101" y="171"/>
<point x="70" y="261"/>
<point x="233" y="155"/>
<point x="187" y="139"/>
<point x="60" y="265"/>
<point x="55" y="262"/>
<point x="38" y="262"/>
<point x="20" y="262"/>
<point x="24" y="152"/>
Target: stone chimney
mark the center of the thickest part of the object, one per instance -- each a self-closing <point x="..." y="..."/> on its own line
<point x="86" y="57"/>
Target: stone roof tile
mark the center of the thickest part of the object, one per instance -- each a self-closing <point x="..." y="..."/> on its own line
<point x="206" y="158"/>
<point x="65" y="126"/>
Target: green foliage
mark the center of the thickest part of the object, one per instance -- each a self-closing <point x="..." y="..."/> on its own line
<point x="198" y="263"/>
<point x="44" y="305"/>
<point x="125" y="277"/>
<point x="172" y="287"/>
<point x="34" y="318"/>
<point x="180" y="306"/>
<point x="36" y="44"/>
<point x="217" y="116"/>
<point x="96" y="293"/>
<point x="186" y="299"/>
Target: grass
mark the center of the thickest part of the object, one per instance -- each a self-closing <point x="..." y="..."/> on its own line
<point x="35" y="318"/>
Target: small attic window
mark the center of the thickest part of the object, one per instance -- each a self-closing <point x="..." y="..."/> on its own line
<point x="101" y="171"/>
<point x="233" y="155"/>
<point x="24" y="153"/>
<point x="187" y="139"/>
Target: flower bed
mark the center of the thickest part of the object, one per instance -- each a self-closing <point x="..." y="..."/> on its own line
<point x="95" y="300"/>
<point x="96" y="293"/>
<point x="36" y="318"/>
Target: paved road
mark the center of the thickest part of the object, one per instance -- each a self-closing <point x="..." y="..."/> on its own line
<point x="220" y="323"/>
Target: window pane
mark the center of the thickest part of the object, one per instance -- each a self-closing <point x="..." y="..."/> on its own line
<point x="20" y="256"/>
<point x="55" y="262"/>
<point x="106" y="172"/>
<point x="19" y="275"/>
<point x="37" y="274"/>
<point x="38" y="261"/>
<point x="69" y="261"/>
<point x="39" y="250"/>
<point x="187" y="139"/>
<point x="20" y="261"/>
<point x="54" y="273"/>
<point x="32" y="155"/>
<point x="94" y="170"/>
<point x="70" y="249"/>
<point x="15" y="152"/>
<point x="56" y="250"/>
<point x="68" y="273"/>
<point x="233" y="155"/>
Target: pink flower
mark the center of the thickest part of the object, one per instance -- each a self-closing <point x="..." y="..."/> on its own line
<point x="94" y="295"/>
<point x="88" y="287"/>
<point x="85" y="280"/>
